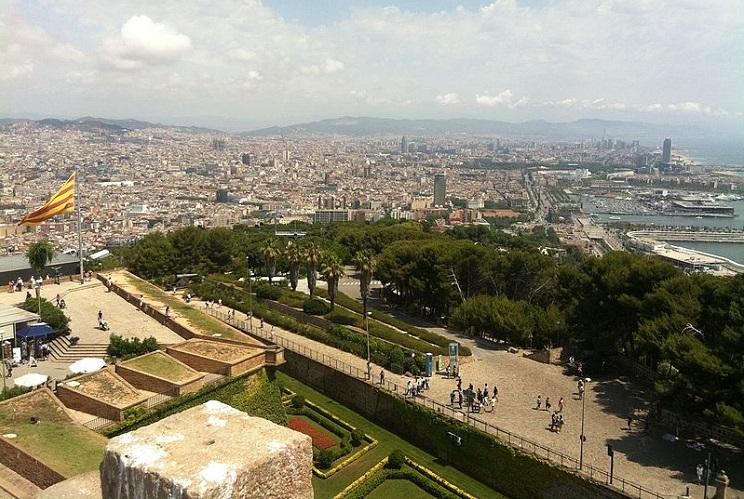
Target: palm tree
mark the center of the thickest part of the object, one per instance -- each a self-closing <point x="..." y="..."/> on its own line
<point x="270" y="253"/>
<point x="366" y="264"/>
<point x="312" y="258"/>
<point x="39" y="254"/>
<point x="332" y="272"/>
<point x="294" y="257"/>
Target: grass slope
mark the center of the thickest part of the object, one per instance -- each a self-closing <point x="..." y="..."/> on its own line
<point x="387" y="443"/>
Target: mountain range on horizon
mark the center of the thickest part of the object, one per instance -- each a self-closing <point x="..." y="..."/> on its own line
<point x="363" y="126"/>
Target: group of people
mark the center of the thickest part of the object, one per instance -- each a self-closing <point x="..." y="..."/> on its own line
<point x="30" y="351"/>
<point x="474" y="398"/>
<point x="416" y="386"/>
<point x="17" y="285"/>
<point x="556" y="419"/>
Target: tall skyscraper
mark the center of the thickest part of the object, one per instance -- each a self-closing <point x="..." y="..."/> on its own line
<point x="404" y="145"/>
<point x="666" y="153"/>
<point x="440" y="189"/>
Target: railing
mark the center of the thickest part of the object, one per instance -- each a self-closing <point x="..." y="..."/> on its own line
<point x="519" y="442"/>
<point x="99" y="424"/>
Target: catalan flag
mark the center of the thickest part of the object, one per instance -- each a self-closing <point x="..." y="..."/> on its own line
<point x="62" y="201"/>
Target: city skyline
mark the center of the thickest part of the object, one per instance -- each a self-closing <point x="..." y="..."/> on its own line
<point x="247" y="65"/>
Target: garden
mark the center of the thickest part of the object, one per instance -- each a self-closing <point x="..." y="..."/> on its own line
<point x="368" y="474"/>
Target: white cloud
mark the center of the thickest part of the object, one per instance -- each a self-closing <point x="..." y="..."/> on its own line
<point x="502" y="98"/>
<point x="329" y="66"/>
<point x="142" y="41"/>
<point x="448" y="99"/>
<point x="687" y="107"/>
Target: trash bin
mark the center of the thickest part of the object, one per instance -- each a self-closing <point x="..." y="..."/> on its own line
<point x="429" y="364"/>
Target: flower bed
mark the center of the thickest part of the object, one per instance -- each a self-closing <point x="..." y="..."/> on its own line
<point x="319" y="437"/>
<point x="335" y="425"/>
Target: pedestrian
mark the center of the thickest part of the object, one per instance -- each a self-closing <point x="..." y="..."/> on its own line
<point x="408" y="388"/>
<point x="382" y="377"/>
<point x="141" y="301"/>
<point x="100" y="316"/>
<point x="167" y="311"/>
<point x="459" y="384"/>
<point x="580" y="369"/>
<point x="553" y="422"/>
<point x="560" y="405"/>
<point x="493" y="403"/>
<point x="485" y="391"/>
<point x="630" y="421"/>
<point x="699" y="470"/>
<point x="459" y="398"/>
<point x="453" y="396"/>
<point x="560" y="423"/>
<point x="547" y="403"/>
<point x="495" y="397"/>
<point x="479" y="395"/>
<point x="581" y="391"/>
<point x="539" y="402"/>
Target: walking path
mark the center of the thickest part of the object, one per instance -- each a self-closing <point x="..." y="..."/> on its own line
<point x="641" y="457"/>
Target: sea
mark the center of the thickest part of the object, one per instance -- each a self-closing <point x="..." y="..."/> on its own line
<point x="732" y="251"/>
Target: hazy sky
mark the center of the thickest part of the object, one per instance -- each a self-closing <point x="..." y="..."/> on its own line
<point x="246" y="63"/>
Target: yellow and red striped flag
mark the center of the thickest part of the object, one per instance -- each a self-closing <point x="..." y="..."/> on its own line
<point x="62" y="201"/>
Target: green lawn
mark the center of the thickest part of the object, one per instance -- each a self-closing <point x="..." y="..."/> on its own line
<point x="68" y="448"/>
<point x="202" y="322"/>
<point x="398" y="489"/>
<point x="387" y="443"/>
<point x="161" y="365"/>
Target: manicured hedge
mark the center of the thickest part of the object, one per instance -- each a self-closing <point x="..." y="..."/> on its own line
<point x="338" y="337"/>
<point x="405" y="473"/>
<point x="427" y="336"/>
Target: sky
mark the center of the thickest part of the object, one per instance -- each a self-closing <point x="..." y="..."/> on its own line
<point x="247" y="63"/>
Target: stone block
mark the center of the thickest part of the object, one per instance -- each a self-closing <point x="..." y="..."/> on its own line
<point x="211" y="451"/>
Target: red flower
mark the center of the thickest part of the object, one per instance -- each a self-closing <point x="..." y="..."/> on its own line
<point x="320" y="439"/>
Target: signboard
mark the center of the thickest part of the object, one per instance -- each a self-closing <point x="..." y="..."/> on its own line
<point x="454" y="355"/>
<point x="7" y="332"/>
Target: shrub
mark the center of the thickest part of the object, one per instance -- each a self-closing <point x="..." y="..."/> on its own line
<point x="13" y="391"/>
<point x="315" y="307"/>
<point x="50" y="314"/>
<point x="396" y="356"/>
<point x="266" y="292"/>
<point x="126" y="348"/>
<point x="357" y="437"/>
<point x="298" y="401"/>
<point x="341" y="318"/>
<point x="396" y="459"/>
<point x="324" y="459"/>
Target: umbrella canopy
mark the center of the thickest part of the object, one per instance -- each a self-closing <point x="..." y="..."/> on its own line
<point x="31" y="379"/>
<point x="35" y="330"/>
<point x="86" y="365"/>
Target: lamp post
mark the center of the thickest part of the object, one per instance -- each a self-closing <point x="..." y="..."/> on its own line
<point x="250" y="295"/>
<point x="582" y="438"/>
<point x="369" y="359"/>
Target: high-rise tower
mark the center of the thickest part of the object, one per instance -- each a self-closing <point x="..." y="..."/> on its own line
<point x="440" y="189"/>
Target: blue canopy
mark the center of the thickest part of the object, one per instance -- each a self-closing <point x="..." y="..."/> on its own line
<point x="35" y="330"/>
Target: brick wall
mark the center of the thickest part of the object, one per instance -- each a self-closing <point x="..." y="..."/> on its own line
<point x="258" y="360"/>
<point x="27" y="466"/>
<point x="199" y="363"/>
<point x="151" y="383"/>
<point x="80" y="402"/>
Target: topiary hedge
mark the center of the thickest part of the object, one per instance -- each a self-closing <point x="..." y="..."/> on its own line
<point x="313" y="306"/>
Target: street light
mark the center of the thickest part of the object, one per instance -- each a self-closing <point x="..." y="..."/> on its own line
<point x="582" y="438"/>
<point x="250" y="296"/>
<point x="369" y="359"/>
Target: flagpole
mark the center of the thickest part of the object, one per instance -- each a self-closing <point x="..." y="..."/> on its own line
<point x="79" y="224"/>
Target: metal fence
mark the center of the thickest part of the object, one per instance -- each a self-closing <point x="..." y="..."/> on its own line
<point x="99" y="424"/>
<point x="518" y="442"/>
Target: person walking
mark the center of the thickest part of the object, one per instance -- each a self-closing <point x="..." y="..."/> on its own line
<point x="382" y="377"/>
<point x="459" y="398"/>
<point x="560" y="405"/>
<point x="167" y="311"/>
<point x="539" y="402"/>
<point x="547" y="403"/>
<point x="699" y="470"/>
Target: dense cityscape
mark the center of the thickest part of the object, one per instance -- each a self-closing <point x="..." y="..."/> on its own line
<point x="280" y="249"/>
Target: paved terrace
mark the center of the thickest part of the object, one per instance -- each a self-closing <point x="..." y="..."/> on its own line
<point x="640" y="457"/>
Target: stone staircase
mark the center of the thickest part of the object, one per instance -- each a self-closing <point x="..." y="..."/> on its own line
<point x="62" y="351"/>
